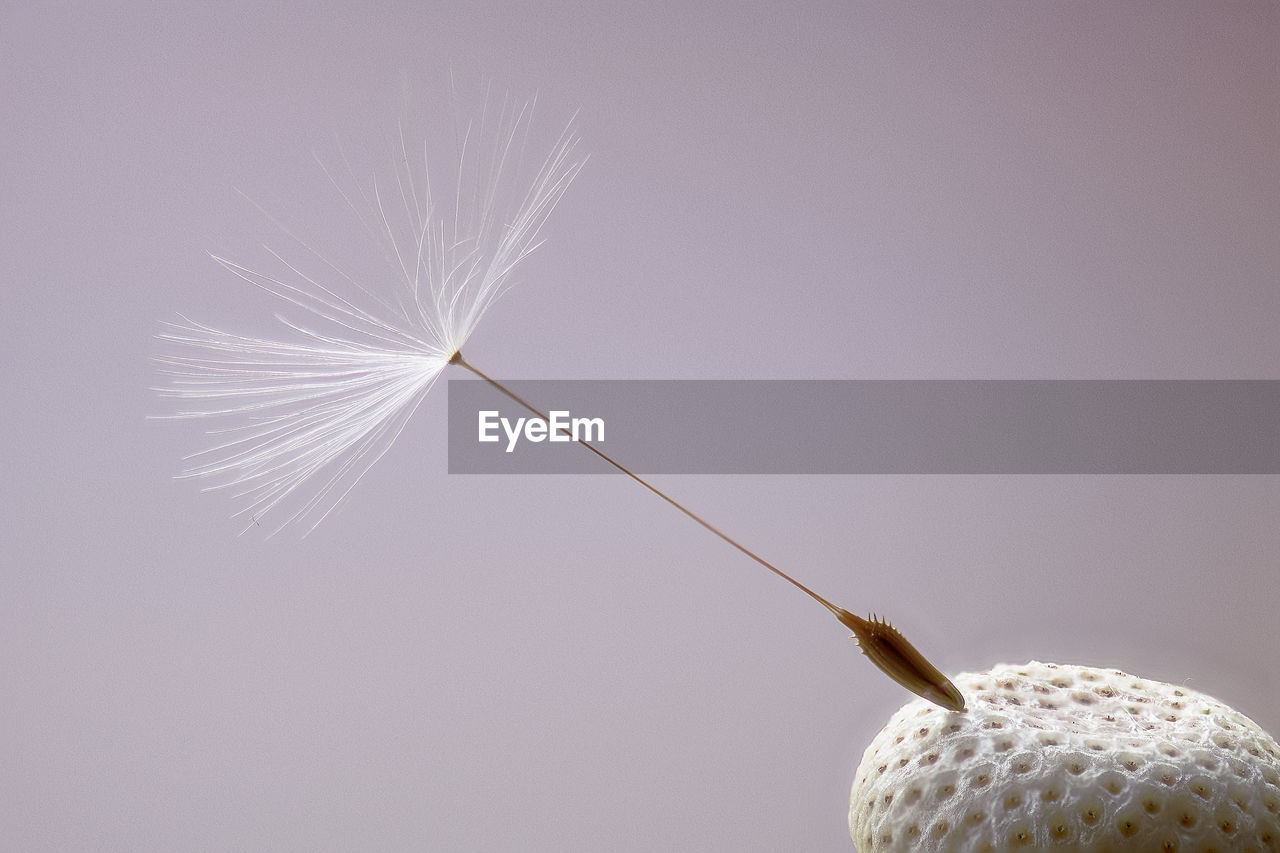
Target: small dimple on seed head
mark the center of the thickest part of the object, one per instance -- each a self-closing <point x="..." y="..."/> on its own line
<point x="1021" y="835"/>
<point x="1239" y="796"/>
<point x="1128" y="825"/>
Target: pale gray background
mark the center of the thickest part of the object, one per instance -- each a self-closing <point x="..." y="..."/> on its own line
<point x="814" y="190"/>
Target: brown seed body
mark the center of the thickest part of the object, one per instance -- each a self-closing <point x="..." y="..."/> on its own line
<point x="885" y="646"/>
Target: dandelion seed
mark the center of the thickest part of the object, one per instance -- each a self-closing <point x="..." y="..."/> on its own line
<point x="320" y="407"/>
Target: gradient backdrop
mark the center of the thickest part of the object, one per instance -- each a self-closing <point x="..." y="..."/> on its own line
<point x="787" y="190"/>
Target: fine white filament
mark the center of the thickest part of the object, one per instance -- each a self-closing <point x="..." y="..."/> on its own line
<point x="300" y="418"/>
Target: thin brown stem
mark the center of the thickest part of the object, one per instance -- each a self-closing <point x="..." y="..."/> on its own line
<point x="461" y="362"/>
<point x="881" y="643"/>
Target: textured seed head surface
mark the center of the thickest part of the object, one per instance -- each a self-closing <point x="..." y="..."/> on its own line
<point x="1068" y="758"/>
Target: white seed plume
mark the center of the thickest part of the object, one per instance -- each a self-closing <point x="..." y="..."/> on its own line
<point x="318" y="406"/>
<point x="1068" y="758"/>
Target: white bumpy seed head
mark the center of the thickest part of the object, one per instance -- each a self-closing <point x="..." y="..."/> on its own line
<point x="1068" y="758"/>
